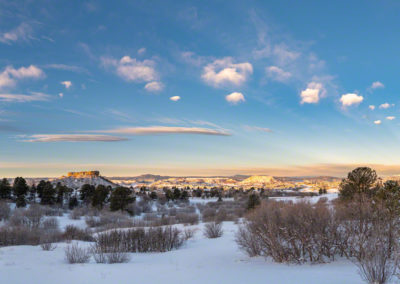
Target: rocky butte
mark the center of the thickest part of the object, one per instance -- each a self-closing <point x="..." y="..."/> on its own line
<point x="85" y="174"/>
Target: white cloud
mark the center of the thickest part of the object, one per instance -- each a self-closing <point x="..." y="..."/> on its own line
<point x="390" y="117"/>
<point x="61" y="95"/>
<point x="371" y="107"/>
<point x="377" y="122"/>
<point x="10" y="75"/>
<point x="21" y="33"/>
<point x="312" y="93"/>
<point x="223" y="72"/>
<point x="141" y="51"/>
<point x="175" y="98"/>
<point x="67" y="84"/>
<point x="376" y="85"/>
<point x="154" y="86"/>
<point x="277" y="73"/>
<point x="132" y="70"/>
<point x="351" y="99"/>
<point x="257" y="128"/>
<point x="235" y="98"/>
<point x="20" y="98"/>
<point x="152" y="130"/>
<point x="385" y="105"/>
<point x="72" y="138"/>
<point x="284" y="54"/>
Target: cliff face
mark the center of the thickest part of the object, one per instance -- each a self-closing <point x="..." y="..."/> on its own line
<point x="87" y="174"/>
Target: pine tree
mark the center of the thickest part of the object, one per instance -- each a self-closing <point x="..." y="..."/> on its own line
<point x="253" y="202"/>
<point x="5" y="189"/>
<point x="48" y="194"/>
<point x="120" y="198"/>
<point x="20" y="189"/>
<point x="100" y="196"/>
<point x="73" y="202"/>
<point x="86" y="193"/>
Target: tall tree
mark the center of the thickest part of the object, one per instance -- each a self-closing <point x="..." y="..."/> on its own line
<point x="360" y="181"/>
<point x="20" y="189"/>
<point x="120" y="198"/>
<point x="48" y="194"/>
<point x="100" y="196"/>
<point x="86" y="193"/>
<point x="5" y="189"/>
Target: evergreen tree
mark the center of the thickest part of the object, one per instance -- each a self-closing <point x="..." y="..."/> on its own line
<point x="360" y="181"/>
<point x="86" y="193"/>
<point x="20" y="189"/>
<point x="73" y="202"/>
<point x="177" y="194"/>
<point x="5" y="189"/>
<point x="32" y="194"/>
<point x="48" y="194"/>
<point x="253" y="202"/>
<point x="120" y="198"/>
<point x="185" y="195"/>
<point x="39" y="188"/>
<point x="100" y="196"/>
<point x="169" y="195"/>
<point x="153" y="195"/>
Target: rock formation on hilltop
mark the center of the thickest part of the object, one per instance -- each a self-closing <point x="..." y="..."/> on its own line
<point x="77" y="179"/>
<point x="258" y="180"/>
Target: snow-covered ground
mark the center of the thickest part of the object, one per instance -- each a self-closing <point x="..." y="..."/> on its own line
<point x="201" y="260"/>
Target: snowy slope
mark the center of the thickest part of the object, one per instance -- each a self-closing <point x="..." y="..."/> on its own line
<point x="200" y="261"/>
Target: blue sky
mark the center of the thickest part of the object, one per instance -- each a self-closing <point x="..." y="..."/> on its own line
<point x="199" y="87"/>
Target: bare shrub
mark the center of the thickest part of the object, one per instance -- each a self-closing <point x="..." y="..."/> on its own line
<point x="187" y="218"/>
<point x="52" y="211"/>
<point x="290" y="232"/>
<point x="50" y="224"/>
<point x="34" y="215"/>
<point x="98" y="254"/>
<point x="5" y="210"/>
<point x="213" y="230"/>
<point x="209" y="214"/>
<point x="21" y="235"/>
<point x="74" y="233"/>
<point x="117" y="257"/>
<point x="140" y="240"/>
<point x="76" y="254"/>
<point x="78" y="212"/>
<point x="189" y="233"/>
<point x="248" y="242"/>
<point x="48" y="246"/>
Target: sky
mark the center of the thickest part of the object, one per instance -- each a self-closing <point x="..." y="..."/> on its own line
<point x="199" y="87"/>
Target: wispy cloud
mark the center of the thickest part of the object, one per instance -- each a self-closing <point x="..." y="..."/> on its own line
<point x="385" y="105"/>
<point x="257" y="128"/>
<point x="377" y="122"/>
<point x="175" y="98"/>
<point x="21" y="98"/>
<point x="223" y="72"/>
<point x="65" y="67"/>
<point x="66" y="84"/>
<point x="71" y="138"/>
<point x="152" y="130"/>
<point x="390" y="117"/>
<point x="154" y="86"/>
<point x="21" y="33"/>
<point x="277" y="74"/>
<point x="376" y="85"/>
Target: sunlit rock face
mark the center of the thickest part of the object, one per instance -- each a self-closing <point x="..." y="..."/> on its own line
<point x="86" y="174"/>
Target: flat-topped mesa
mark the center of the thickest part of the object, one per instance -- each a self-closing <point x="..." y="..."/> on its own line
<point x="87" y="174"/>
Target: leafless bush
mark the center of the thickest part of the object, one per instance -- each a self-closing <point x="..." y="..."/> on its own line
<point x="34" y="215"/>
<point x="209" y="214"/>
<point x="290" y="232"/>
<point x="140" y="240"/>
<point x="109" y="220"/>
<point x="213" y="230"/>
<point x="21" y="235"/>
<point x="74" y="233"/>
<point x="98" y="254"/>
<point x="50" y="224"/>
<point x="117" y="257"/>
<point x="248" y="242"/>
<point x="189" y="233"/>
<point x="5" y="210"/>
<point x="52" y="211"/>
<point x="187" y="218"/>
<point x="78" y="212"/>
<point x="76" y="254"/>
<point x="48" y="246"/>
